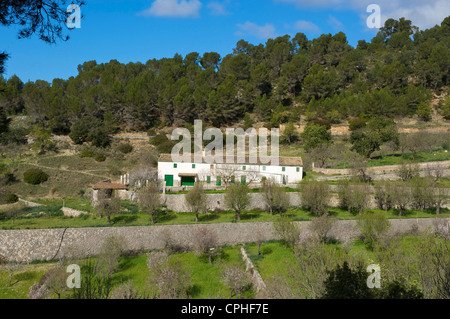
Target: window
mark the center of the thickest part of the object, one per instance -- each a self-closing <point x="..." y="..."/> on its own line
<point x="284" y="169"/>
<point x="211" y="167"/>
<point x="298" y="169"/>
<point x="244" y="168"/>
<point x="193" y="165"/>
<point x="208" y="179"/>
<point x="233" y="179"/>
<point x="175" y="165"/>
<point x="264" y="168"/>
<point x="243" y="179"/>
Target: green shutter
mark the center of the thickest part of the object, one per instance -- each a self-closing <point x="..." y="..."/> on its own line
<point x="244" y="168"/>
<point x="284" y="169"/>
<point x="208" y="179"/>
<point x="193" y="165"/>
<point x="218" y="181"/>
<point x="175" y="165"/>
<point x="298" y="169"/>
<point x="243" y="179"/>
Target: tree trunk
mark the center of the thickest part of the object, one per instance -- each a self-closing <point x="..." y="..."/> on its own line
<point x="239" y="216"/>
<point x="153" y="218"/>
<point x="259" y="249"/>
<point x="210" y="259"/>
<point x="196" y="217"/>
<point x="438" y="209"/>
<point x="10" y="278"/>
<point x="109" y="219"/>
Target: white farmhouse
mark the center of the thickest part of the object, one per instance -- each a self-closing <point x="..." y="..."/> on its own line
<point x="177" y="174"/>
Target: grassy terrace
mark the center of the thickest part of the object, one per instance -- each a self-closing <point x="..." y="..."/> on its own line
<point x="276" y="259"/>
<point x="51" y="217"/>
<point x="206" y="278"/>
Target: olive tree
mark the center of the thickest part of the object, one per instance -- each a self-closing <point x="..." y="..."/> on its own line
<point x="237" y="198"/>
<point x="315" y="196"/>
<point x="149" y="199"/>
<point x="196" y="200"/>
<point x="275" y="197"/>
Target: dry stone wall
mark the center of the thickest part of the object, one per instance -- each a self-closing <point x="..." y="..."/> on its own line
<point x="46" y="244"/>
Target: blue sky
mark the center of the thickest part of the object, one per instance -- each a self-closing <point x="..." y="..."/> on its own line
<point x="139" y="30"/>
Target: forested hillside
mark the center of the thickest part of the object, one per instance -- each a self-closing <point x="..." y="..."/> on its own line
<point x="394" y="75"/>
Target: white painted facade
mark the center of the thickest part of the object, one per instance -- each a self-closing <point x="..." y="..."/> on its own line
<point x="210" y="173"/>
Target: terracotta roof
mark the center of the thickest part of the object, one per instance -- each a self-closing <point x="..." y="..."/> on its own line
<point x="284" y="161"/>
<point x="106" y="185"/>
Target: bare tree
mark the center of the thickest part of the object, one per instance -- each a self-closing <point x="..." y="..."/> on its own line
<point x="435" y="171"/>
<point x="110" y="252"/>
<point x="315" y="196"/>
<point x="401" y="196"/>
<point x="126" y="291"/>
<point x="206" y="242"/>
<point x="37" y="291"/>
<point x="413" y="142"/>
<point x="259" y="235"/>
<point x="196" y="200"/>
<point x="168" y="278"/>
<point x="55" y="280"/>
<point x="322" y="227"/>
<point x="440" y="197"/>
<point x="236" y="279"/>
<point x="383" y="195"/>
<point x="421" y="193"/>
<point x="143" y="175"/>
<point x="275" y="197"/>
<point x="408" y="171"/>
<point x="237" y="198"/>
<point x="226" y="172"/>
<point x="358" y="166"/>
<point x="149" y="199"/>
<point x="12" y="267"/>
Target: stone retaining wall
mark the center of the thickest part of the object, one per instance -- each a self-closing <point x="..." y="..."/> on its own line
<point x="376" y="169"/>
<point x="44" y="244"/>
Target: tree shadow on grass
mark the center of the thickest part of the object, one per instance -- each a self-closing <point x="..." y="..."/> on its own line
<point x="123" y="219"/>
<point x="250" y="215"/>
<point x="166" y="218"/>
<point x="207" y="217"/>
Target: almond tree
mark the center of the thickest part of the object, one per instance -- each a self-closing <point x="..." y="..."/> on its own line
<point x="275" y="197"/>
<point x="236" y="279"/>
<point x="205" y="242"/>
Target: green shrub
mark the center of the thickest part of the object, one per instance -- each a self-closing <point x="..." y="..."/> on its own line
<point x="35" y="176"/>
<point x="87" y="153"/>
<point x="125" y="148"/>
<point x="11" y="198"/>
<point x="100" y="157"/>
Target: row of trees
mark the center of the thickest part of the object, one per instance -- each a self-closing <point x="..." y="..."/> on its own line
<point x="324" y="77"/>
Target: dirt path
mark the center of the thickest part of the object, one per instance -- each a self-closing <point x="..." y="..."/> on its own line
<point x="68" y="170"/>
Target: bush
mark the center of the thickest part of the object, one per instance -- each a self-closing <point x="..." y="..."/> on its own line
<point x="100" y="157"/>
<point x="11" y="198"/>
<point x="125" y="148"/>
<point x="35" y="176"/>
<point x="87" y="153"/>
<point x="356" y="123"/>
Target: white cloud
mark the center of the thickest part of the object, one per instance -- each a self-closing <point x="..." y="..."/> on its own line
<point x="307" y="26"/>
<point x="335" y="23"/>
<point x="174" y="8"/>
<point x="263" y="32"/>
<point x="217" y="8"/>
<point x="424" y="14"/>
